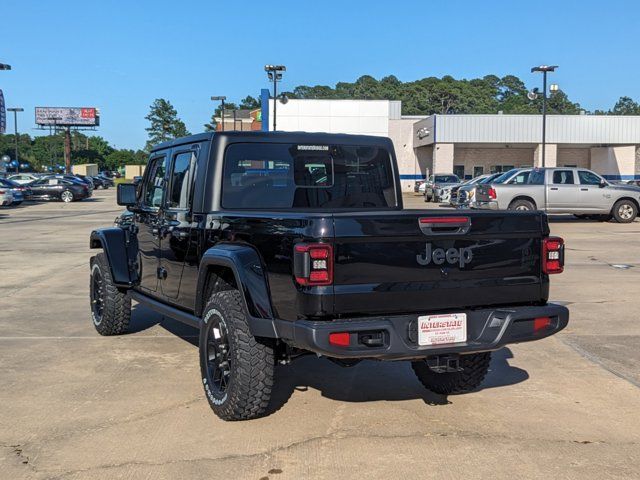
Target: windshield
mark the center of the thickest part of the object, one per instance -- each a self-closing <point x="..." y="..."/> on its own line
<point x="446" y="179"/>
<point x="505" y="176"/>
<point x="489" y="179"/>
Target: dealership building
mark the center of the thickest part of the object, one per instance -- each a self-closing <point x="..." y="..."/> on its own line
<point x="470" y="145"/>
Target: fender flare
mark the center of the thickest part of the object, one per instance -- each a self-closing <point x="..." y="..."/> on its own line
<point x="121" y="250"/>
<point x="250" y="277"/>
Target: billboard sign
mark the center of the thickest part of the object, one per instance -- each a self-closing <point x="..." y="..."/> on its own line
<point x="3" y="114"/>
<point x="67" y="116"/>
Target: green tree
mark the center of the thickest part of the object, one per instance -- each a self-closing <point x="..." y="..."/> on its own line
<point x="249" y="103"/>
<point x="626" y="106"/>
<point x="165" y="124"/>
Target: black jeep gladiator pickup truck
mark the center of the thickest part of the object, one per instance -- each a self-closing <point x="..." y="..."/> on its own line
<point x="279" y="244"/>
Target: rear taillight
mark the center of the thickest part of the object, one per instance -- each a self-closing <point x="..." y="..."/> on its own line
<point x="2" y="192"/>
<point x="492" y="193"/>
<point x="552" y="255"/>
<point x="313" y="264"/>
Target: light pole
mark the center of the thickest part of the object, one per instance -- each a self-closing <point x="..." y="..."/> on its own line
<point x="274" y="72"/>
<point x="544" y="69"/>
<point x="15" y="111"/>
<point x="221" y="99"/>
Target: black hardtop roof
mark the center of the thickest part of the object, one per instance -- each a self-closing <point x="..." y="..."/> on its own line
<point x="277" y="137"/>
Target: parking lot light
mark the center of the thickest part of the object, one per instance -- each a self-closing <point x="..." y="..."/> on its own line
<point x="544" y="69"/>
<point x="274" y="73"/>
<point x="221" y="99"/>
<point x="15" y="111"/>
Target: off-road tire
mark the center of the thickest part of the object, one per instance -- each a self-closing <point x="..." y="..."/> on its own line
<point x="116" y="304"/>
<point x="251" y="363"/>
<point x="475" y="367"/>
<point x="625" y="211"/>
<point x="522" y="206"/>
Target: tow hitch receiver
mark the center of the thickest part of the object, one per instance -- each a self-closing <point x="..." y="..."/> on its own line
<point x="444" y="363"/>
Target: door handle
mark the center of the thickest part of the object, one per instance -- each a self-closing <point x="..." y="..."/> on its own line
<point x="553" y="188"/>
<point x="584" y="189"/>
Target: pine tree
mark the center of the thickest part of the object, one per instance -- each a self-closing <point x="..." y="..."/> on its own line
<point x="165" y="124"/>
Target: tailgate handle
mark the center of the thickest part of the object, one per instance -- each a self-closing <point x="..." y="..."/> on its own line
<point x="444" y="225"/>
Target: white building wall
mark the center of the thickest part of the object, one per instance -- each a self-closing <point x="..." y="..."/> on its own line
<point x="361" y="117"/>
<point x="401" y="133"/>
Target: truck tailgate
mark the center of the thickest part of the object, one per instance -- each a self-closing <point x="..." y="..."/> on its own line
<point x="392" y="262"/>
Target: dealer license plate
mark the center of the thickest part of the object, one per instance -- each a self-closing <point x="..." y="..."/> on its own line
<point x="442" y="329"/>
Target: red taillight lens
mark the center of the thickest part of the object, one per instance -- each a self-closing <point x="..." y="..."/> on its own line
<point x="552" y="255"/>
<point x="492" y="193"/>
<point x="340" y="339"/>
<point x="313" y="264"/>
<point x="541" y="323"/>
<point x="2" y="192"/>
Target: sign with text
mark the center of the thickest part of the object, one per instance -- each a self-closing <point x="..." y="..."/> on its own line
<point x="68" y="116"/>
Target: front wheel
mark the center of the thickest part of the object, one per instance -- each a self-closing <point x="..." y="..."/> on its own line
<point x="110" y="307"/>
<point x="474" y="368"/>
<point x="66" y="196"/>
<point x="625" y="211"/>
<point x="237" y="370"/>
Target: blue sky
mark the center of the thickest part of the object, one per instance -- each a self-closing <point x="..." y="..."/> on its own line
<point x="121" y="55"/>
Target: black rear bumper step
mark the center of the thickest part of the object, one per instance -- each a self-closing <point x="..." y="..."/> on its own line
<point x="487" y="330"/>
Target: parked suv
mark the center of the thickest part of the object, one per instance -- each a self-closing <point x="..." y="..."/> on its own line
<point x="275" y="245"/>
<point x="562" y="190"/>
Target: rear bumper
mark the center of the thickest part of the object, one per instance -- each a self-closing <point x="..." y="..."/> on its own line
<point x="487" y="329"/>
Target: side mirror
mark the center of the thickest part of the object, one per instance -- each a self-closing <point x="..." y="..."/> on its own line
<point x="127" y="194"/>
<point x="602" y="184"/>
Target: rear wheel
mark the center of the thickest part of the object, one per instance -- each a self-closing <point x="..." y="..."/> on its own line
<point x="522" y="206"/>
<point x="237" y="370"/>
<point x="110" y="307"/>
<point x="66" y="196"/>
<point x="625" y="211"/>
<point x="474" y="368"/>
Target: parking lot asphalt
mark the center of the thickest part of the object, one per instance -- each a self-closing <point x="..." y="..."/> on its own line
<point x="79" y="406"/>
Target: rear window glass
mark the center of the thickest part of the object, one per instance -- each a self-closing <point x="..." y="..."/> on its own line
<point x="263" y="176"/>
<point x="446" y="179"/>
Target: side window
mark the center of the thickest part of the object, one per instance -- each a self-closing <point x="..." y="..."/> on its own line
<point x="154" y="188"/>
<point x="536" y="177"/>
<point x="588" y="178"/>
<point x="181" y="180"/>
<point x="563" y="177"/>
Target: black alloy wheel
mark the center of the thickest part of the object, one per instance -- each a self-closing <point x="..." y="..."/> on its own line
<point x="217" y="355"/>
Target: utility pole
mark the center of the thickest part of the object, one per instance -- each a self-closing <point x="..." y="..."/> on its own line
<point x="15" y="111"/>
<point x="67" y="150"/>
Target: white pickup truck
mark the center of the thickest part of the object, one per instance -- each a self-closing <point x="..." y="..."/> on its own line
<point x="562" y="190"/>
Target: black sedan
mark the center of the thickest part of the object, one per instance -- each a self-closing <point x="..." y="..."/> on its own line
<point x="103" y="182"/>
<point x="64" y="189"/>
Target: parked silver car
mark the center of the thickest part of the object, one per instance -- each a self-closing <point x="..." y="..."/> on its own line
<point x="462" y="196"/>
<point x="436" y="186"/>
<point x="562" y="190"/>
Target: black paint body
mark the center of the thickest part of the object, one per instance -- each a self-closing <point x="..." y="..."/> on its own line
<point x="376" y="275"/>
